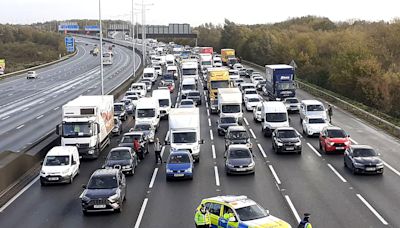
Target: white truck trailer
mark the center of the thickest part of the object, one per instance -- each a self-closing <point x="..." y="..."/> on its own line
<point x="230" y="103"/>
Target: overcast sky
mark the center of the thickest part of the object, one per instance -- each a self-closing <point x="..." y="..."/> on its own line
<point x="197" y="12"/>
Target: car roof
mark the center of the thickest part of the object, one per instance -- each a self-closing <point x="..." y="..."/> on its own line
<point x="121" y="148"/>
<point x="358" y="146"/>
<point x="61" y="150"/>
<point x="118" y="103"/>
<point x="234" y="202"/>
<point x="311" y="102"/>
<point x="237" y="128"/>
<point x="333" y="128"/>
<point x="133" y="133"/>
<point x="179" y="152"/>
<point x="285" y="129"/>
<point x="253" y="96"/>
<point x="108" y="171"/>
<point x="238" y="146"/>
<point x="187" y="100"/>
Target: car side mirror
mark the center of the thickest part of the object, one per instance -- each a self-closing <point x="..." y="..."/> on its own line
<point x="98" y="128"/>
<point x="201" y="141"/>
<point x="84" y="186"/>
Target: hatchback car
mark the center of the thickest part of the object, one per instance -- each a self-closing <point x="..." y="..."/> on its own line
<point x="123" y="158"/>
<point x="179" y="165"/>
<point x="224" y="122"/>
<point x="105" y="191"/>
<point x="187" y="103"/>
<point x="117" y="129"/>
<point x="249" y="71"/>
<point x="260" y="84"/>
<point x="129" y="107"/>
<point x="239" y="211"/>
<point x="31" y="75"/>
<point x="170" y="84"/>
<point x="148" y="83"/>
<point x="237" y="82"/>
<point x="239" y="160"/>
<point x="333" y="139"/>
<point x="147" y="129"/>
<point x="128" y="138"/>
<point x="286" y="139"/>
<point x="292" y="104"/>
<point x="363" y="159"/>
<point x="251" y="101"/>
<point x="237" y="135"/>
<point x="314" y="125"/>
<point x="195" y="96"/>
<point x="257" y="112"/>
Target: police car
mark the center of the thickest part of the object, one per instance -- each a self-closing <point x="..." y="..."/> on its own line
<point x="240" y="212"/>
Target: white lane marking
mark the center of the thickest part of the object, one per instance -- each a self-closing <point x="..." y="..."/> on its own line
<point x="313" y="149"/>
<point x="372" y="210"/>
<point x="141" y="213"/>
<point x="18" y="194"/>
<point x="262" y="150"/>
<point x="209" y="122"/>
<point x="4" y="118"/>
<point x="278" y="181"/>
<point x="39" y="117"/>
<point x="179" y="93"/>
<point x="391" y="168"/>
<point x="25" y="109"/>
<point x="20" y="126"/>
<point x="252" y="133"/>
<point x="208" y="112"/>
<point x="166" y="137"/>
<point x="162" y="151"/>
<point x="294" y="211"/>
<point x="206" y="104"/>
<point x="176" y="105"/>
<point x="213" y="151"/>
<point x="211" y="135"/>
<point x="42" y="102"/>
<point x="245" y="120"/>
<point x="56" y="108"/>
<point x="153" y="178"/>
<point x="216" y="175"/>
<point x="337" y="173"/>
<point x="205" y="94"/>
<point x="353" y="141"/>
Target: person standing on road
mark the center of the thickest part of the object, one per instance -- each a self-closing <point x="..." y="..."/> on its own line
<point x="136" y="148"/>
<point x="157" y="150"/>
<point x="202" y="217"/>
<point x="330" y="113"/>
<point x="305" y="223"/>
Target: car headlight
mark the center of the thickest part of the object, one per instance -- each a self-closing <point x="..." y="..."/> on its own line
<point x="91" y="150"/>
<point x="331" y="143"/>
<point x="356" y="164"/>
<point x="42" y="173"/>
<point x="65" y="171"/>
<point x="252" y="164"/>
<point x="169" y="171"/>
<point x="379" y="165"/>
<point x="126" y="166"/>
<point x="249" y="145"/>
<point x="298" y="143"/>
<point x="189" y="170"/>
<point x="122" y="114"/>
<point x="229" y="165"/>
<point x="85" y="199"/>
<point x="278" y="142"/>
<point x="113" y="198"/>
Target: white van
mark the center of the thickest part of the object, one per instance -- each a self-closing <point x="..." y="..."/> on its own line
<point x="150" y="73"/>
<point x="170" y="60"/>
<point x="273" y="115"/>
<point x="60" y="165"/>
<point x="148" y="111"/>
<point x="139" y="88"/>
<point x="312" y="108"/>
<point x="173" y="70"/>
<point x="188" y="84"/>
<point x="164" y="101"/>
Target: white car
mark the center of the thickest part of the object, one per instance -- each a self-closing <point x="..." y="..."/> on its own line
<point x="237" y="66"/>
<point x="31" y="75"/>
<point x="256" y="79"/>
<point x="133" y="98"/>
<point x="249" y="92"/>
<point x="257" y="112"/>
<point x="187" y="103"/>
<point x="237" y="82"/>
<point x="158" y="69"/>
<point x="140" y="87"/>
<point x="251" y="101"/>
<point x="314" y="125"/>
<point x="234" y="74"/>
<point x="292" y="104"/>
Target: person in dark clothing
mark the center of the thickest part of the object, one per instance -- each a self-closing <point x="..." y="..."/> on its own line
<point x="157" y="150"/>
<point x="330" y="113"/>
<point x="305" y="223"/>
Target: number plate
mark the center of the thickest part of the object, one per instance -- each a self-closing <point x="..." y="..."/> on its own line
<point x="101" y="206"/>
<point x="370" y="168"/>
<point x="241" y="169"/>
<point x="289" y="148"/>
<point x="339" y="148"/>
<point x="179" y="175"/>
<point x="53" y="178"/>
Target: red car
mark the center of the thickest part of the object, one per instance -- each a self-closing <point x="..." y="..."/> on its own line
<point x="332" y="139"/>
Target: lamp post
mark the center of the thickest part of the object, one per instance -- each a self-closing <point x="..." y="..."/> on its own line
<point x="133" y="44"/>
<point x="101" y="51"/>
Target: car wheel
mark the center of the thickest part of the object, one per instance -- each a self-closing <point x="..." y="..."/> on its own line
<point x="119" y="210"/>
<point x="344" y="163"/>
<point x="85" y="212"/>
<point x="353" y="170"/>
<point x="42" y="183"/>
<point x="299" y="153"/>
<point x="320" y="145"/>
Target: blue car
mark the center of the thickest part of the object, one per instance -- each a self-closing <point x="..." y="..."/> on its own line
<point x="179" y="165"/>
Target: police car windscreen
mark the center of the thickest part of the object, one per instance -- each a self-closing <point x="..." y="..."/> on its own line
<point x="252" y="212"/>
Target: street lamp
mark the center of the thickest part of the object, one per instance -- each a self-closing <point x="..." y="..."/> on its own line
<point x="101" y="51"/>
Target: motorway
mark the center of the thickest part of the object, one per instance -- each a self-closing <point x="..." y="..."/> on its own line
<point x="286" y="185"/>
<point x="32" y="108"/>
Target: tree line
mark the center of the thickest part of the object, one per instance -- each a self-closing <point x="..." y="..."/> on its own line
<point x="358" y="59"/>
<point x="24" y="46"/>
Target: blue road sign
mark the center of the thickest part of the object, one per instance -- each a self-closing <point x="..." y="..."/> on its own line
<point x="70" y="44"/>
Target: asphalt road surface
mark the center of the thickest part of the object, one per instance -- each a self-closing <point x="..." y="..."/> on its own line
<point x="287" y="185"/>
<point x="31" y="108"/>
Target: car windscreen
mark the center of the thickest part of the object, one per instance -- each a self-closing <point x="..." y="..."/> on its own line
<point x="137" y="87"/>
<point x="286" y="86"/>
<point x="238" y="135"/>
<point x="251" y="212"/>
<point x="250" y="92"/>
<point x="127" y="102"/>
<point x="316" y="121"/>
<point x="187" y="102"/>
<point x="144" y="113"/>
<point x="129" y="138"/>
<point x="233" y="72"/>
<point x="254" y="99"/>
<point x="103" y="182"/>
<point x="184" y="137"/>
<point x="315" y="108"/>
<point x="336" y="133"/>
<point x="276" y="117"/>
<point x="118" y="108"/>
<point x="292" y="100"/>
<point x="77" y="129"/>
<point x="189" y="71"/>
<point x="189" y="87"/>
<point x="364" y="152"/>
<point x="163" y="102"/>
<point x="141" y="127"/>
<point x="286" y="134"/>
<point x="133" y="98"/>
<point x="238" y="153"/>
<point x="119" y="155"/>
<point x="206" y="63"/>
<point x="219" y="84"/>
<point x="226" y="120"/>
<point x="194" y="94"/>
<point x="178" y="159"/>
<point x="56" y="160"/>
<point x="148" y="75"/>
<point x="230" y="109"/>
<point x="247" y="87"/>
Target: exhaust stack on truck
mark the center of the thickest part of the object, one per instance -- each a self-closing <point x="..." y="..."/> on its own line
<point x="87" y="122"/>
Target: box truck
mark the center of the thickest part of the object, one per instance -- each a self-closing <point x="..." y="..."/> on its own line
<point x="87" y="122"/>
<point x="226" y="54"/>
<point x="279" y="82"/>
<point x="230" y="103"/>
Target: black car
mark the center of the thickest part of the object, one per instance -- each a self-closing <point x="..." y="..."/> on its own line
<point x="225" y="122"/>
<point x="237" y="135"/>
<point x="249" y="72"/>
<point x="105" y="191"/>
<point x="239" y="160"/>
<point x="286" y="139"/>
<point x="122" y="157"/>
<point x="363" y="159"/>
<point x="195" y="96"/>
<point x="128" y="138"/>
<point x="120" y="111"/>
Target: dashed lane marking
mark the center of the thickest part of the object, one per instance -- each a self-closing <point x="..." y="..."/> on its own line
<point x="337" y="173"/>
<point x="294" y="211"/>
<point x="211" y="135"/>
<point x="153" y="178"/>
<point x="213" y="152"/>
<point x="245" y="120"/>
<point x="262" y="150"/>
<point x="278" y="181"/>
<point x="372" y="209"/>
<point x="314" y="150"/>
<point x="141" y="213"/>
<point x="216" y="176"/>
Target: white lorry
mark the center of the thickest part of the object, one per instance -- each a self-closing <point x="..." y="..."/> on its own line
<point x="190" y="70"/>
<point x="87" y="122"/>
<point x="170" y="60"/>
<point x="164" y="100"/>
<point x="206" y="61"/>
<point x="150" y="74"/>
<point x="184" y="131"/>
<point x="148" y="111"/>
<point x="230" y="103"/>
